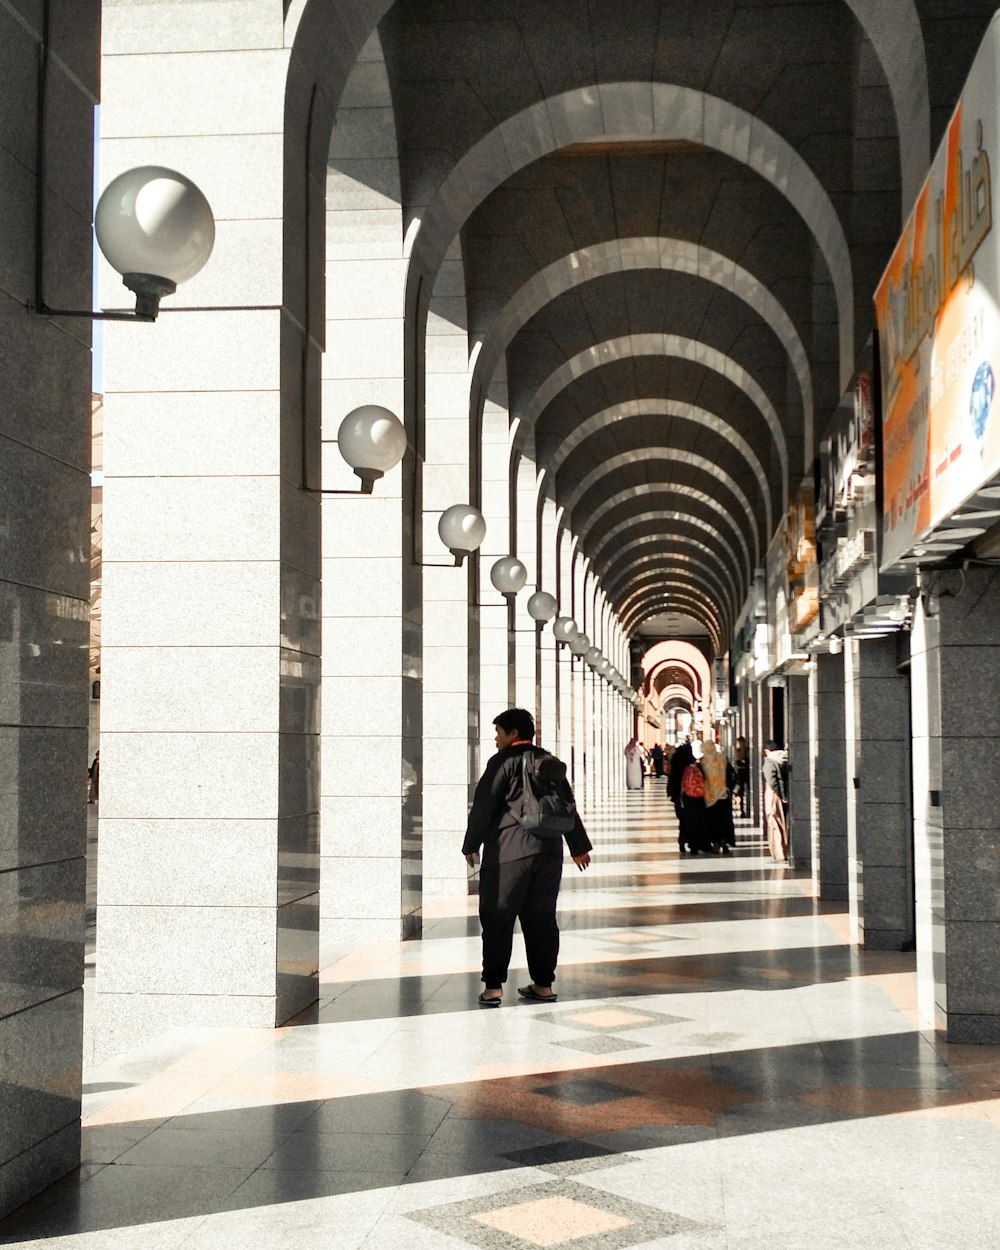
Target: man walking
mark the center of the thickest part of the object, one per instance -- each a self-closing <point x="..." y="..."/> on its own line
<point x="520" y="872"/>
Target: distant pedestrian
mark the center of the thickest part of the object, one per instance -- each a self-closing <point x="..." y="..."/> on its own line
<point x="521" y="871"/>
<point x="720" y="777"/>
<point x="633" y="765"/>
<point x="656" y="755"/>
<point x="94" y="773"/>
<point x="686" y="789"/>
<point x="741" y="757"/>
<point x="775" y="801"/>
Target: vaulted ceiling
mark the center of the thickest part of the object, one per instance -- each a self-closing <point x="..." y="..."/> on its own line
<point x="671" y="216"/>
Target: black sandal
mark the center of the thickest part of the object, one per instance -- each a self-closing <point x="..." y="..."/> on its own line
<point x="528" y="992"/>
<point x="489" y="1002"/>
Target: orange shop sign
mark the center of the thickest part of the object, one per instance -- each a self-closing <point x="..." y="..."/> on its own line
<point x="938" y="321"/>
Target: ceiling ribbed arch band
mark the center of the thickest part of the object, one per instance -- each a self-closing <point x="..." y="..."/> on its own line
<point x="679" y="575"/>
<point x="632" y="494"/>
<point x="634" y="346"/>
<point x="676" y="559"/>
<point x="624" y="255"/>
<point x="673" y="597"/>
<point x="674" y="457"/>
<point x="636" y="112"/>
<point x="646" y="407"/>
<point x="672" y="549"/>
<point x="660" y="543"/>
<point x="663" y="517"/>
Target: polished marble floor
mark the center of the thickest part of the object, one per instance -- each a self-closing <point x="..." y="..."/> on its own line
<point x="721" y="1072"/>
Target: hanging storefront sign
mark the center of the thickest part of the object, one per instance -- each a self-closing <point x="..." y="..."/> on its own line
<point x="939" y="327"/>
<point x="793" y="581"/>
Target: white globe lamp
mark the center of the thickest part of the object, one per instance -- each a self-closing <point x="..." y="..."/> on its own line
<point x="542" y="606"/>
<point x="508" y="575"/>
<point x="156" y="228"/>
<point x="372" y="440"/>
<point x="564" y="628"/>
<point x="580" y="644"/>
<point x="461" y="528"/>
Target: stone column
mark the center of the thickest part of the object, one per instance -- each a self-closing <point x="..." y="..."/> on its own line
<point x="208" y="888"/>
<point x="548" y="727"/>
<point x="446" y="610"/>
<point x="369" y="801"/>
<point x="525" y="632"/>
<point x="564" y="657"/>
<point x="829" y="780"/>
<point x="44" y="593"/>
<point x="800" y="798"/>
<point x="494" y="611"/>
<point x="879" y="826"/>
<point x="955" y="667"/>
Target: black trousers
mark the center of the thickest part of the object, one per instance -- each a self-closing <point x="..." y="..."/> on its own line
<point x="525" y="890"/>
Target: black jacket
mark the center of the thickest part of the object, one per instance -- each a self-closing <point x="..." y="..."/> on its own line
<point x="494" y="822"/>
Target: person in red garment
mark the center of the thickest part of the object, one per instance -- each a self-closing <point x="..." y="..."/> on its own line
<point x="520" y="872"/>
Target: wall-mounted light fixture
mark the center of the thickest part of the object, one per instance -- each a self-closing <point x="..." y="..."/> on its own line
<point x="153" y="225"/>
<point x="565" y="629"/>
<point x="462" y="529"/>
<point x="372" y="440"/>
<point x="508" y="575"/>
<point x="835" y="644"/>
<point x="580" y="644"/>
<point x="542" y="606"/>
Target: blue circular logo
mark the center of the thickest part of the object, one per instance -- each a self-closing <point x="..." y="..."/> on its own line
<point x="983" y="387"/>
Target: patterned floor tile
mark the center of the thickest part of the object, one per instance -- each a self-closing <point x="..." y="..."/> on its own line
<point x="605" y="1044"/>
<point x="568" y="1158"/>
<point x="560" y="1213"/>
<point x="608" y="1018"/>
<point x="585" y="1092"/>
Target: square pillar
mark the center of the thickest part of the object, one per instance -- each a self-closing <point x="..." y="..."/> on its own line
<point x="829" y="780"/>
<point x="879" y="828"/>
<point x="45" y="460"/>
<point x="955" y="671"/>
<point x="800" y="797"/>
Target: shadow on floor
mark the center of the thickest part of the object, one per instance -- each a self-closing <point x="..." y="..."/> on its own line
<point x="562" y="1122"/>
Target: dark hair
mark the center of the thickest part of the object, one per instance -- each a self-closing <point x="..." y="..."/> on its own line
<point x="518" y="719"/>
<point x="771" y="745"/>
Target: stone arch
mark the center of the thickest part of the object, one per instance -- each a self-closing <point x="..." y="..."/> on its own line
<point x="674" y="457"/>
<point x="674" y="650"/>
<point x="667" y="515"/>
<point x="680" y="596"/>
<point x="676" y="488"/>
<point x="635" y="112"/>
<point x="684" y="412"/>
<point x="692" y="579"/>
<point x="620" y="256"/>
<point x="636" y="345"/>
<point x="681" y="559"/>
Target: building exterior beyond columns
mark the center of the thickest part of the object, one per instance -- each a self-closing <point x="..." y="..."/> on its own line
<point x="955" y="670"/>
<point x="44" y="593"/>
<point x="829" y="780"/>
<point x="879" y="829"/>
